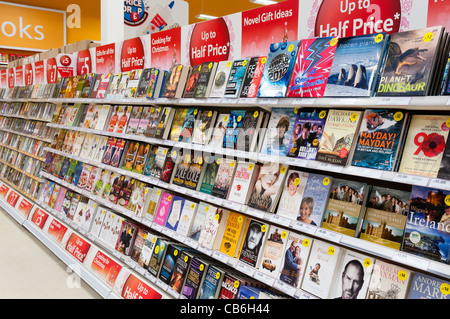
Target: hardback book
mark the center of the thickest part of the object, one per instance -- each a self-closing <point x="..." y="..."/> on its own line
<point x="168" y="265"/>
<point x="97" y="222"/>
<point x="188" y="125"/>
<point x="353" y="276"/>
<point x="96" y="86"/>
<point x="315" y="198"/>
<point x="203" y="126"/>
<point x="119" y="148"/>
<point x="77" y="173"/>
<point x="102" y="144"/>
<point x="142" y="154"/>
<point x="235" y="78"/>
<point x="137" y="198"/>
<point x="209" y="177"/>
<point x="444" y="168"/>
<point x="174" y="215"/>
<point x="175" y="81"/>
<point x="307" y="133"/>
<point x="389" y="281"/>
<point x="232" y="235"/>
<point x="278" y="134"/>
<point x="88" y="116"/>
<point x="172" y="158"/>
<point x="345" y="207"/>
<point x="165" y="118"/>
<point x="321" y="268"/>
<point x="212" y="283"/>
<point x="268" y="186"/>
<point x="177" y="124"/>
<point x="126" y="190"/>
<point x="424" y="286"/>
<point x="154" y="195"/>
<point x="248" y="134"/>
<point x="224" y="178"/>
<point x="295" y="255"/>
<point x="253" y="77"/>
<point x="122" y="85"/>
<point x="338" y="138"/>
<point x="159" y="162"/>
<point x="133" y="122"/>
<point x="84" y="176"/>
<point x="379" y="138"/>
<point x="281" y="59"/>
<point x="271" y="259"/>
<point x="199" y="219"/>
<point x="292" y="194"/>
<point x="133" y="82"/>
<point x="149" y="121"/>
<point x="114" y="119"/>
<point x="88" y="85"/>
<point x="116" y="186"/>
<point x="220" y="79"/>
<point x="148" y="166"/>
<point x="109" y="150"/>
<point x="143" y="259"/>
<point x="186" y="217"/>
<point x="158" y="255"/>
<point x="71" y="170"/>
<point x="312" y="67"/>
<point x="113" y="87"/>
<point x="80" y="85"/>
<point x="219" y="130"/>
<point x="138" y="246"/>
<point x="424" y="146"/>
<point x="124" y="114"/>
<point x="195" y="172"/>
<point x="104" y="85"/>
<point x="356" y="64"/>
<point x="410" y="63"/>
<point x="385" y="216"/>
<point x="252" y="242"/>
<point x="244" y="177"/>
<point x="205" y="79"/>
<point x="191" y="81"/>
<point x="164" y="207"/>
<point x="106" y="229"/>
<point x="78" y="142"/>
<point x="194" y="278"/>
<point x="428" y="224"/>
<point x="101" y="182"/>
<point x="156" y="83"/>
<point x="130" y="152"/>
<point x="127" y="236"/>
<point x="230" y="286"/>
<point x="144" y="82"/>
<point x="211" y="226"/>
<point x="233" y="128"/>
<point x="180" y="272"/>
<point x="93" y="177"/>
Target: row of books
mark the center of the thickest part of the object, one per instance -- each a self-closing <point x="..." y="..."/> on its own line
<point x="30" y="110"/>
<point x="381" y="139"/>
<point x="321" y="200"/>
<point x="21" y="182"/>
<point x="408" y="63"/>
<point x="35" y="129"/>
<point x="21" y="161"/>
<point x="312" y="266"/>
<point x="27" y="145"/>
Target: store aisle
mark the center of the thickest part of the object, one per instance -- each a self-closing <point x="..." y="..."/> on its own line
<point x="29" y="270"/>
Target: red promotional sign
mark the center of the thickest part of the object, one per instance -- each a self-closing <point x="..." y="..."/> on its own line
<point x="66" y="64"/>
<point x="106" y="268"/>
<point x="4" y="189"/>
<point x="266" y="25"/>
<point x="135" y="288"/>
<point x="28" y="74"/>
<point x="39" y="218"/>
<point x="105" y="57"/>
<point x="84" y="62"/>
<point x="165" y="48"/>
<point x="52" y="70"/>
<point x="210" y="42"/>
<point x="11" y="78"/>
<point x="132" y="56"/>
<point x="56" y="230"/>
<point x="77" y="247"/>
<point x="357" y="17"/>
<point x="19" y="76"/>
<point x="3" y="78"/>
<point x="24" y="207"/>
<point x="438" y="13"/>
<point x="12" y="199"/>
<point x="39" y="72"/>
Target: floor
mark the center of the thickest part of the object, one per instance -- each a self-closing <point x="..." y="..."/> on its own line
<point x="29" y="270"/>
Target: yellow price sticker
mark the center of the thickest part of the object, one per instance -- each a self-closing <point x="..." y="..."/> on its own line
<point x="306" y="242"/>
<point x="156" y="249"/>
<point x="290" y="48"/>
<point x="175" y="253"/>
<point x="192" y="206"/>
<point x="210" y="65"/>
<point x="284" y="234"/>
<point x="379" y="38"/>
<point x="322" y="114"/>
<point x="297" y="181"/>
<point x="217" y="275"/>
<point x="255" y="115"/>
<point x="218" y="161"/>
<point x="169" y="198"/>
<point x="402" y="275"/>
<point x="263" y="60"/>
<point x="180" y="67"/>
<point x="283" y="170"/>
<point x="447" y="200"/>
<point x="250" y="167"/>
<point x="296" y="110"/>
<point x="448" y="123"/>
<point x="428" y="37"/>
<point x="445" y="289"/>
<point x="315" y="142"/>
<point x="239" y="118"/>
<point x="209" y="113"/>
<point x="225" y="118"/>
<point x="331" y="251"/>
<point x="229" y="64"/>
<point x="326" y="181"/>
<point x="236" y="284"/>
<point x="201" y="267"/>
<point x="186" y="259"/>
<point x="367" y="262"/>
<point x="354" y="117"/>
<point x="333" y="42"/>
<point x="398" y="116"/>
<point x="232" y="163"/>
<point x="244" y="63"/>
<point x="240" y="219"/>
<point x="263" y="228"/>
<point x="217" y="217"/>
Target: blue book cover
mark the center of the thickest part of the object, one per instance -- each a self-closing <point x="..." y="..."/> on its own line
<point x="277" y="72"/>
<point x="279" y="131"/>
<point x="378" y="140"/>
<point x="427" y="287"/>
<point x="211" y="284"/>
<point x="427" y="231"/>
<point x="306" y="135"/>
<point x="175" y="212"/>
<point x="355" y="65"/>
<point x="77" y="173"/>
<point x="188" y="125"/>
<point x="236" y="78"/>
<point x="233" y="128"/>
<point x="315" y="199"/>
<point x="193" y="279"/>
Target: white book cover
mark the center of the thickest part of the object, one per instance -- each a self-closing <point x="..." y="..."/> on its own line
<point x="271" y="260"/>
<point x="187" y="217"/>
<point x="220" y="79"/>
<point x="106" y="227"/>
<point x="199" y="219"/>
<point x="292" y="194"/>
<point x="219" y="131"/>
<point x="97" y="222"/>
<point x="214" y="218"/>
<point x="244" y="176"/>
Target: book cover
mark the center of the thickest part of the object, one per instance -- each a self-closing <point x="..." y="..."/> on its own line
<point x="380" y="133"/>
<point x="220" y="79"/>
<point x="157" y="256"/>
<point x="126" y="238"/>
<point x="88" y="85"/>
<point x="444" y="168"/>
<point x="168" y="264"/>
<point x="133" y="122"/>
<point x="244" y="177"/>
<point x="353" y="276"/>
<point x="312" y="67"/>
<point x="424" y="146"/>
<point x="175" y="82"/>
<point x="232" y="235"/>
<point x="180" y="272"/>
<point x="205" y="79"/>
<point x="214" y="217"/>
<point x="163" y="128"/>
<point x="114" y="119"/>
<point x="113" y="87"/>
<point x="191" y="82"/>
<point x="219" y="130"/>
<point x="252" y="242"/>
<point x="425" y="286"/>
<point x="235" y="78"/>
<point x="224" y="178"/>
<point x="149" y="121"/>
<point x="96" y="86"/>
<point x="186" y="217"/>
<point x="116" y="186"/>
<point x="133" y="82"/>
<point x="122" y="85"/>
<point x="128" y="185"/>
<point x="177" y="124"/>
<point x="292" y="194"/>
<point x="155" y="195"/>
<point x="105" y="85"/>
<point x="163" y="209"/>
<point x="268" y="187"/>
<point x="124" y="116"/>
<point x="428" y="224"/>
<point x="233" y="128"/>
<point x="175" y="213"/>
<point x="248" y="133"/>
<point x="209" y="177"/>
<point x="321" y="268"/>
<point x="139" y="243"/>
<point x="142" y="154"/>
<point x="388" y="281"/>
<point x="194" y="278"/>
<point x="338" y="137"/>
<point x="210" y="288"/>
<point x="119" y="148"/>
<point x="281" y="59"/>
<point x="159" y="163"/>
<point x="155" y="85"/>
<point x="172" y="159"/>
<point x="315" y="198"/>
<point x="230" y="286"/>
<point x="251" y="87"/>
<point x="109" y="150"/>
<point x="385" y="216"/>
<point x="307" y="134"/>
<point x="274" y="247"/>
<point x="188" y="125"/>
<point x="345" y="206"/>
<point x="278" y="133"/>
<point x="195" y="172"/>
<point x="136" y="201"/>
<point x="203" y="127"/>
<point x="356" y="63"/>
<point x="144" y="82"/>
<point x="410" y="61"/>
<point x="248" y="78"/>
<point x="199" y="219"/>
<point x="295" y="255"/>
<point x="102" y="181"/>
<point x="131" y="149"/>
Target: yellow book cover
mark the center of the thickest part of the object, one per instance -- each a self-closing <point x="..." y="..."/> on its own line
<point x="232" y="234"/>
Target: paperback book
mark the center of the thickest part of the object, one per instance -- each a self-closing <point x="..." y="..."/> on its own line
<point x="292" y="194"/>
<point x="235" y="78"/>
<point x="279" y="131"/>
<point x="315" y="198"/>
<point x="220" y="79"/>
